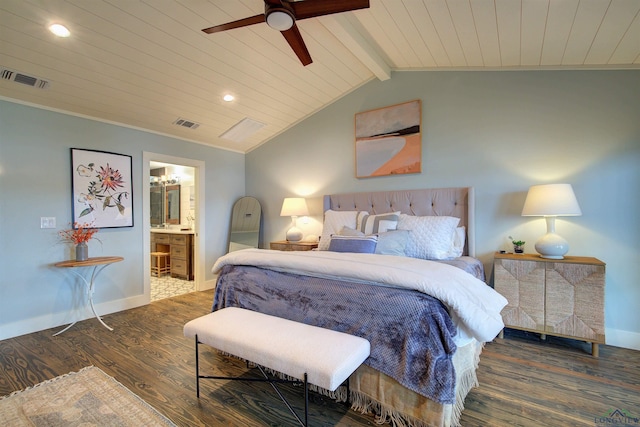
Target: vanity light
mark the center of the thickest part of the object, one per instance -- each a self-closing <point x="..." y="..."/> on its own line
<point x="59" y="30"/>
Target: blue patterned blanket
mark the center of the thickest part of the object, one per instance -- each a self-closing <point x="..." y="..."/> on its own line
<point x="411" y="333"/>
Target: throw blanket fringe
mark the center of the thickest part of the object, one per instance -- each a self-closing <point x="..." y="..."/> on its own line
<point x="339" y="395"/>
<point x="467" y="381"/>
<point x="365" y="405"/>
<point x="382" y="414"/>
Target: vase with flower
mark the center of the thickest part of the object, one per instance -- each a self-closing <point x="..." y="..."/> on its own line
<point x="79" y="235"/>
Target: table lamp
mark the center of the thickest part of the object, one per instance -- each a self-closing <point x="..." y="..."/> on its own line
<point x="550" y="201"/>
<point x="294" y="207"/>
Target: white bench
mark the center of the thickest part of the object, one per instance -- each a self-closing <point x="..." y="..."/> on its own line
<point x="308" y="353"/>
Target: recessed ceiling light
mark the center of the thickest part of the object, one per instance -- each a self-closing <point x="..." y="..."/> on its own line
<point x="59" y="30"/>
<point x="228" y="98"/>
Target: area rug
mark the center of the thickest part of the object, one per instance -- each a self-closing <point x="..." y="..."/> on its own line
<point x="82" y="399"/>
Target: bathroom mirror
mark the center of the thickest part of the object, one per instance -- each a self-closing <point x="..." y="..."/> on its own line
<point x="157" y="206"/>
<point x="165" y="205"/>
<point x="245" y="224"/>
<point x="172" y="204"/>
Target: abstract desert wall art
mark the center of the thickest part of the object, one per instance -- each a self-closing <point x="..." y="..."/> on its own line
<point x="389" y="140"/>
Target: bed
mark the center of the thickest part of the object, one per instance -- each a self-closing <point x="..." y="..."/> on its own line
<point x="397" y="268"/>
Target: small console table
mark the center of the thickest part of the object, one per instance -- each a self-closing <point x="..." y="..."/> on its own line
<point x="98" y="264"/>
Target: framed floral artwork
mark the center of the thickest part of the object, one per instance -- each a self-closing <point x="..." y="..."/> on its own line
<point x="102" y="188"/>
<point x="389" y="140"/>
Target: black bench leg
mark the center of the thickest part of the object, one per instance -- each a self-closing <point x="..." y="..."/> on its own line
<point x="306" y="401"/>
<point x="197" y="370"/>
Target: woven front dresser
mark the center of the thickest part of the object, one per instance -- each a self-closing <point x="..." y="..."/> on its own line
<point x="553" y="297"/>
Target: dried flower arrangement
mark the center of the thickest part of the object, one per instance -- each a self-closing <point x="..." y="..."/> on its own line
<point x="80" y="233"/>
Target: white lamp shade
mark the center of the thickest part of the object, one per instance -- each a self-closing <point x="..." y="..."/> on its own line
<point x="551" y="200"/>
<point x="294" y="206"/>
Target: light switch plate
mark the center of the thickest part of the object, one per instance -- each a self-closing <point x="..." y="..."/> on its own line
<point x="48" y="222"/>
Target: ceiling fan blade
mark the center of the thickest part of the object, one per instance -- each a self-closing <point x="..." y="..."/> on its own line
<point x="312" y="8"/>
<point x="294" y="38"/>
<point x="235" y="24"/>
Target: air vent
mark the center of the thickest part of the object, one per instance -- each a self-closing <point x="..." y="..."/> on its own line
<point x="242" y="130"/>
<point x="186" y="123"/>
<point x="14" y="76"/>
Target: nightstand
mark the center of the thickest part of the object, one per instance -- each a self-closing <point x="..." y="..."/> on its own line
<point x="560" y="297"/>
<point x="283" y="245"/>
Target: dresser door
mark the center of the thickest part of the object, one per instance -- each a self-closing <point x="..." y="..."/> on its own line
<point x="522" y="284"/>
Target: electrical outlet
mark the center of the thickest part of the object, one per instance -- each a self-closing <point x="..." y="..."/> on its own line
<point x="48" y="222"/>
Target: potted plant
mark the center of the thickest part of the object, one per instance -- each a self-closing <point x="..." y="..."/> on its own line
<point x="518" y="245"/>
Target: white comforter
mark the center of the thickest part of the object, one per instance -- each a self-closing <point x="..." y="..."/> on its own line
<point x="474" y="306"/>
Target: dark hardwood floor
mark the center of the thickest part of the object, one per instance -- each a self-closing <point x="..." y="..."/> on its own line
<point x="523" y="381"/>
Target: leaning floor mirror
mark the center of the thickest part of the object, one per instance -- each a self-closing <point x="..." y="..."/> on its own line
<point x="245" y="224"/>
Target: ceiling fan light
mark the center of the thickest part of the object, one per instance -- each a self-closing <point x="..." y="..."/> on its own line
<point x="280" y="20"/>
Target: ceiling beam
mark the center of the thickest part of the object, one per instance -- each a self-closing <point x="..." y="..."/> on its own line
<point x="348" y="30"/>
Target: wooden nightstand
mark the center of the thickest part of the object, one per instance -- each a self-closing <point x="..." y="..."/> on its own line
<point x="283" y="245"/>
<point x="553" y="297"/>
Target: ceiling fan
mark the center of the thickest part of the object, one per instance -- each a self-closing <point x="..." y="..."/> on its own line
<point x="282" y="15"/>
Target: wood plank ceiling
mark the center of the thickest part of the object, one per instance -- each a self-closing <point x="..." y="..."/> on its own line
<point x="145" y="63"/>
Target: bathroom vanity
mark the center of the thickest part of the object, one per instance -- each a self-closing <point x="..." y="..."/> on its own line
<point x="179" y="244"/>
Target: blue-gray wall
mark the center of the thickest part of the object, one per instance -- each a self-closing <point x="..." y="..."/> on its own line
<point x="499" y="132"/>
<point x="35" y="182"/>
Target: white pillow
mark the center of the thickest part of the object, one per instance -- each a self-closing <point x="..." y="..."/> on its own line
<point x="457" y="246"/>
<point x="348" y="231"/>
<point x="381" y="223"/>
<point x="431" y="236"/>
<point x="333" y="223"/>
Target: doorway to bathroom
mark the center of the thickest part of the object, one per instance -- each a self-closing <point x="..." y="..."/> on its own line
<point x="171" y="218"/>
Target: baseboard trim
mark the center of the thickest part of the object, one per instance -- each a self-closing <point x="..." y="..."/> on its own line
<point x="61" y="319"/>
<point x="624" y="339"/>
<point x="209" y="284"/>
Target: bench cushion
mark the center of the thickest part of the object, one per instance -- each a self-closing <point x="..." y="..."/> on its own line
<point x="328" y="357"/>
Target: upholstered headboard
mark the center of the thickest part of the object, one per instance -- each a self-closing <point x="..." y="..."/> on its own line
<point x="457" y="202"/>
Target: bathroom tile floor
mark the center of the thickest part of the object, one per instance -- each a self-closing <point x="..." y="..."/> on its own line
<point x="167" y="286"/>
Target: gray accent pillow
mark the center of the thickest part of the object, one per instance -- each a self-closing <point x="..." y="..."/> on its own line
<point x="392" y="242"/>
<point x="373" y="224"/>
